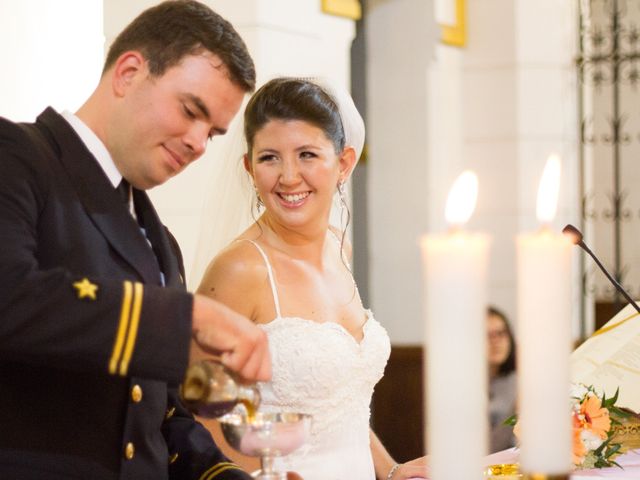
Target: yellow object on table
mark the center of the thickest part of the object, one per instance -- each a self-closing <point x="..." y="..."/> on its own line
<point x="503" y="471"/>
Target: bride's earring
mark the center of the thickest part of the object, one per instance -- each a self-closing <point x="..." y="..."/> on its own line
<point x="341" y="195"/>
<point x="259" y="202"/>
<point x="345" y="217"/>
<point x="344" y="208"/>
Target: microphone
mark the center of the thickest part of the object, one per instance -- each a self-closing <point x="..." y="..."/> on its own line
<point x="575" y="236"/>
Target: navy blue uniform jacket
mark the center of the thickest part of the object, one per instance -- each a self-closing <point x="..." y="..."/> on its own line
<point x="92" y="346"/>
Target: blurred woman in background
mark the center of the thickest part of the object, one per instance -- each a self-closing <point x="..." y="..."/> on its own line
<point x="502" y="379"/>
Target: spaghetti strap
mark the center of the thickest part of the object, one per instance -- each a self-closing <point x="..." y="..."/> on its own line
<point x="274" y="291"/>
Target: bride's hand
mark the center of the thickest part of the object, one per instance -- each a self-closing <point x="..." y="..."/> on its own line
<point x="417" y="468"/>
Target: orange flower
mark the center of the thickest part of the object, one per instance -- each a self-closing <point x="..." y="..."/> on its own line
<point x="579" y="451"/>
<point x="593" y="417"/>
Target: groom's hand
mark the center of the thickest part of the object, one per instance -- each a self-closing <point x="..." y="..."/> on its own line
<point x="240" y="344"/>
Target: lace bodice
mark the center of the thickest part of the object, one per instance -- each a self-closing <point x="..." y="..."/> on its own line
<point x="320" y="369"/>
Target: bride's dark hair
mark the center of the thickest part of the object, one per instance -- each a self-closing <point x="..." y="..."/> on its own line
<point x="294" y="99"/>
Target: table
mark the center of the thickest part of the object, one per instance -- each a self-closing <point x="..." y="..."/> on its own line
<point x="630" y="462"/>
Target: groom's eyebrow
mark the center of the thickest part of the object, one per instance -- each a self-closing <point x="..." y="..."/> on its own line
<point x="199" y="104"/>
<point x="197" y="101"/>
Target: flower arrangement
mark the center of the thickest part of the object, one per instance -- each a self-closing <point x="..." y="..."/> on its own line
<point x="593" y="415"/>
<point x="594" y="418"/>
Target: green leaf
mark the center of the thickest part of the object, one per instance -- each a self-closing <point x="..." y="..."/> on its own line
<point x="613" y="449"/>
<point x="619" y="412"/>
<point x="512" y="420"/>
<point x="611" y="401"/>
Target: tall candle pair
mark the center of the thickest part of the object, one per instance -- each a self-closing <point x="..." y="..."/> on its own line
<point x="455" y="274"/>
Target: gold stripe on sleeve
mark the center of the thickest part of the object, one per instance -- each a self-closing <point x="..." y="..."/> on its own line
<point x="125" y="313"/>
<point x="223" y="469"/>
<point x="217" y="469"/>
<point x="133" y="328"/>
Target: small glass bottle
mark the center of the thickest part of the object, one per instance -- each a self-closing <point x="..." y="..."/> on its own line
<point x="211" y="390"/>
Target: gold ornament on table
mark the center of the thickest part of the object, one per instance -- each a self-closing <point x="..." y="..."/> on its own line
<point x="627" y="430"/>
<point x="503" y="471"/>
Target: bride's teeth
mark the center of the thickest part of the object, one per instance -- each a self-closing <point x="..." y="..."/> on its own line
<point x="294" y="198"/>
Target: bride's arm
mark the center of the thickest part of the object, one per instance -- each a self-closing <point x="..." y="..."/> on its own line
<point x="230" y="279"/>
<point x="384" y="463"/>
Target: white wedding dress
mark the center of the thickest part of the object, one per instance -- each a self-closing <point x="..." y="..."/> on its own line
<point x="320" y="369"/>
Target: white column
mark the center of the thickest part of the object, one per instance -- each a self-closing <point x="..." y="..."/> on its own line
<point x="51" y="54"/>
<point x="400" y="41"/>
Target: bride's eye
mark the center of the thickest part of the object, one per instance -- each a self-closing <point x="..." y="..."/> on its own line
<point x="307" y="155"/>
<point x="266" y="157"/>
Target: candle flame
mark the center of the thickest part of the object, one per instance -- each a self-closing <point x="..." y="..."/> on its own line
<point x="461" y="201"/>
<point x="548" y="190"/>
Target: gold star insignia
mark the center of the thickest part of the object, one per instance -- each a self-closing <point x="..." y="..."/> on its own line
<point x="86" y="289"/>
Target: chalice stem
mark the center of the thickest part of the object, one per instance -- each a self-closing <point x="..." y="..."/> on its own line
<point x="266" y="464"/>
<point x="267" y="471"/>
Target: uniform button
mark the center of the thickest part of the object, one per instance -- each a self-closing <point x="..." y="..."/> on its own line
<point x="136" y="394"/>
<point x="173" y="458"/>
<point x="129" y="451"/>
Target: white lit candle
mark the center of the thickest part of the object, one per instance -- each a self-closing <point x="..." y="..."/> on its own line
<point x="544" y="338"/>
<point x="455" y="271"/>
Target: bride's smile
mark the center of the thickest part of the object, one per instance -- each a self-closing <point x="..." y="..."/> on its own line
<point x="293" y="199"/>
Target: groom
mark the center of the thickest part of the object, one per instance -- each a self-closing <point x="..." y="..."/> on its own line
<point x="96" y="324"/>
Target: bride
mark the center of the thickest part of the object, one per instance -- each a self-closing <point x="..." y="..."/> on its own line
<point x="289" y="272"/>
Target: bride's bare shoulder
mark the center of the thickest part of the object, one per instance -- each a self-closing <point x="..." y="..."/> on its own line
<point x="239" y="265"/>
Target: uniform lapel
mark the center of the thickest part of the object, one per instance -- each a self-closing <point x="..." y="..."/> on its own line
<point x="100" y="200"/>
<point x="155" y="230"/>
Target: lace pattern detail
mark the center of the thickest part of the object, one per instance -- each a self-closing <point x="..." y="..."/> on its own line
<point x="320" y="369"/>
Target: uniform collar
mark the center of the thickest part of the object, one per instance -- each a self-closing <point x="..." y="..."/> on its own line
<point x="95" y="146"/>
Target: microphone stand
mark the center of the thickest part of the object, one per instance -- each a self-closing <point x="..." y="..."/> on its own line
<point x="575" y="236"/>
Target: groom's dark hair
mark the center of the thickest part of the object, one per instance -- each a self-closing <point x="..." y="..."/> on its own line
<point x="171" y="30"/>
